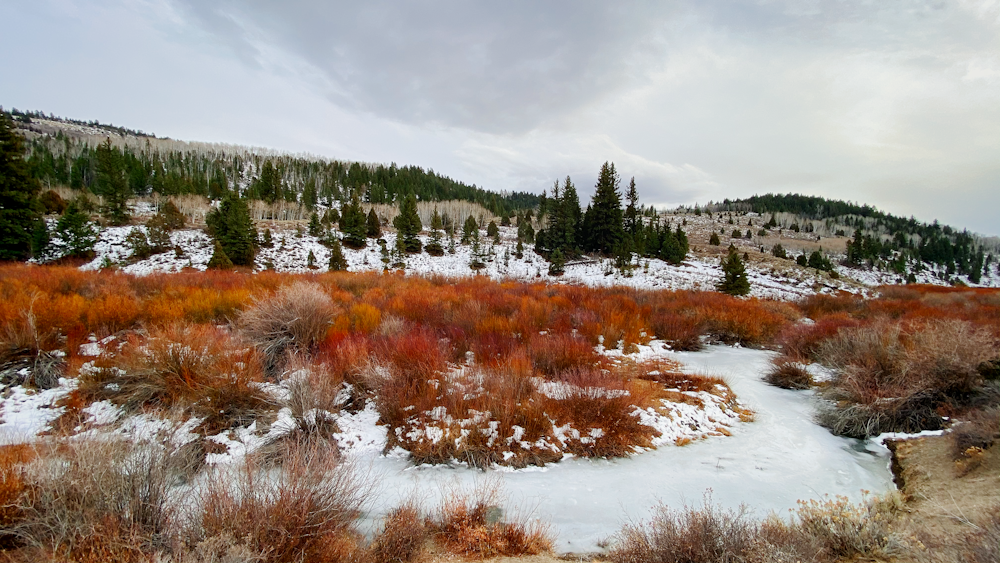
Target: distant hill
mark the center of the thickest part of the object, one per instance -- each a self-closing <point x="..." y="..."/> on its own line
<point x="61" y="153"/>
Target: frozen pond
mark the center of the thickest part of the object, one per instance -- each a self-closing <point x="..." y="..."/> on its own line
<point x="769" y="464"/>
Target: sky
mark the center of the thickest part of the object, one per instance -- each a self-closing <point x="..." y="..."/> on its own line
<point x="894" y="104"/>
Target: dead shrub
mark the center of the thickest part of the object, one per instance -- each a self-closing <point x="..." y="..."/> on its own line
<point x="303" y="511"/>
<point x="195" y="368"/>
<point x="983" y="544"/>
<point x="845" y="530"/>
<point x="894" y="376"/>
<point x="788" y="374"/>
<point x="471" y="524"/>
<point x="297" y="318"/>
<point x="402" y="538"/>
<point x="98" y="499"/>
<point x="708" y="534"/>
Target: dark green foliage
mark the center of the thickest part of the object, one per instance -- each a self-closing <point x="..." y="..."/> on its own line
<point x="819" y="261"/>
<point x="353" y="223"/>
<point x="525" y="232"/>
<point x="734" y="275"/>
<point x="331" y="216"/>
<point x="220" y="260"/>
<point x="170" y="217"/>
<point x="309" y="195"/>
<point x="736" y="233"/>
<point x="778" y="251"/>
<point x="337" y="261"/>
<point x="230" y="225"/>
<point x="603" y="222"/>
<point x="505" y="221"/>
<point x="311" y="260"/>
<point x="801" y="260"/>
<point x="630" y="218"/>
<point x="519" y="251"/>
<point x="315" y="229"/>
<point x="76" y="231"/>
<point x="268" y="186"/>
<point x="53" y="203"/>
<point x="139" y="244"/>
<point x="476" y="261"/>
<point x="408" y="225"/>
<point x="434" y="247"/>
<point x="470" y="230"/>
<point x="373" y="227"/>
<point x="267" y="241"/>
<point x="714" y="239"/>
<point x="493" y="232"/>
<point x="112" y="183"/>
<point x="20" y="211"/>
<point x="557" y="264"/>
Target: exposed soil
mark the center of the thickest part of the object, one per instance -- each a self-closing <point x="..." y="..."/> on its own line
<point x="944" y="503"/>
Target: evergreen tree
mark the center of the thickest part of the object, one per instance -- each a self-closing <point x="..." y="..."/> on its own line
<point x="714" y="239"/>
<point x="219" y="260"/>
<point x="315" y="229"/>
<point x="604" y="217"/>
<point x="112" y="183"/>
<point x="469" y="230"/>
<point x="268" y="185"/>
<point x="337" y="261"/>
<point x="557" y="265"/>
<point x="309" y="195"/>
<point x="630" y="218"/>
<point x="20" y="211"/>
<point x="373" y="226"/>
<point x="311" y="260"/>
<point x="76" y="231"/>
<point x="734" y="275"/>
<point x="434" y="247"/>
<point x="778" y="251"/>
<point x="408" y="225"/>
<point x="476" y="261"/>
<point x="231" y="226"/>
<point x="493" y="232"/>
<point x="353" y="223"/>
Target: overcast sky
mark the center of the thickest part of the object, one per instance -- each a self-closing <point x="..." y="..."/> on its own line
<point x="892" y="103"/>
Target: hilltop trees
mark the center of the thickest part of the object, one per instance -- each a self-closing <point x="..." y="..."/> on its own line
<point x="20" y="211"/>
<point x="353" y="223"/>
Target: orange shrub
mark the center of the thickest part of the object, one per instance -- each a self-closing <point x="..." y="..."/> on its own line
<point x="365" y="318"/>
<point x="13" y="487"/>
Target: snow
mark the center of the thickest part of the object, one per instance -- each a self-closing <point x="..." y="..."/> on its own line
<point x="769" y="464"/>
<point x="24" y="413"/>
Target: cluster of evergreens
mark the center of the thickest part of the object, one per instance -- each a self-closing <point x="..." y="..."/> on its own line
<point x="604" y="227"/>
<point x="881" y="240"/>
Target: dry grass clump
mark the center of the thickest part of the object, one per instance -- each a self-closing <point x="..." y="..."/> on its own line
<point x="297" y="317"/>
<point x="402" y="538"/>
<point x="303" y="511"/>
<point x="983" y="544"/>
<point x="13" y="488"/>
<point x="788" y="374"/>
<point x="692" y="535"/>
<point x="977" y="432"/>
<point x="472" y="524"/>
<point x="97" y="501"/>
<point x="199" y="368"/>
<point x="893" y="376"/>
<point x="823" y="531"/>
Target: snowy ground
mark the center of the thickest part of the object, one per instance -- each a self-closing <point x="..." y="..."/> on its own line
<point x="769" y="464"/>
<point x="698" y="272"/>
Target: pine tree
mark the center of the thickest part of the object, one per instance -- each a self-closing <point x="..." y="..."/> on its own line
<point x="76" y="231"/>
<point x="353" y="223"/>
<point x="230" y="224"/>
<point x="557" y="265"/>
<point x="734" y="275"/>
<point x="434" y="247"/>
<point x="630" y="218"/>
<point x="315" y="229"/>
<point x="337" y="261"/>
<point x="604" y="217"/>
<point x="220" y="260"/>
<point x="20" y="211"/>
<point x="476" y="261"/>
<point x="311" y="260"/>
<point x="714" y="239"/>
<point x="309" y="195"/>
<point x="469" y="230"/>
<point x="373" y="226"/>
<point x="493" y="232"/>
<point x="112" y="183"/>
<point x="408" y="225"/>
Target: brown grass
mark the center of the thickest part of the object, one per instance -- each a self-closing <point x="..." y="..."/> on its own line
<point x="472" y="524"/>
<point x="788" y="374"/>
<point x="297" y="317"/>
<point x="304" y="511"/>
<point x="402" y="538"/>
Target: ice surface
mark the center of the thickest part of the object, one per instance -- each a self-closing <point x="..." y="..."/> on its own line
<point x="769" y="464"/>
